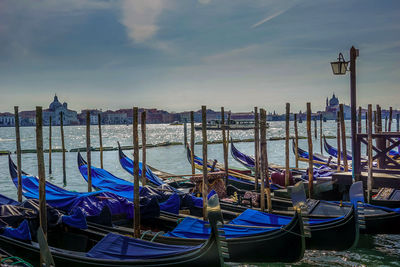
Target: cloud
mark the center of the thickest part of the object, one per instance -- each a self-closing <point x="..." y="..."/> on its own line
<point x="274" y="15"/>
<point x="140" y="18"/>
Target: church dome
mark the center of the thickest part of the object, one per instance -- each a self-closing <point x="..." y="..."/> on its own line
<point x="55" y="104"/>
<point x="334" y="101"/>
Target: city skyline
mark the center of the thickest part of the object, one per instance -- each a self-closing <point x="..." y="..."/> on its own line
<point x="179" y="55"/>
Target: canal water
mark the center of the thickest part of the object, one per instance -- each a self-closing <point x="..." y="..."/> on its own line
<point x="381" y="250"/>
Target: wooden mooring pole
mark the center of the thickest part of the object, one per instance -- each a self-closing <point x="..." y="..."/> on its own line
<point x="397" y="122"/>
<point x="310" y="152"/>
<point x="265" y="189"/>
<point x="50" y="146"/>
<point x="296" y="136"/>
<point x="136" y="202"/>
<point x="256" y="148"/>
<point x="339" y="150"/>
<point x="88" y="152"/>
<point x="287" y="172"/>
<point x="41" y="170"/>
<point x="192" y="137"/>
<point x="359" y="128"/>
<point x="320" y="134"/>
<point x="18" y="140"/>
<point x="205" y="179"/>
<point x="100" y="140"/>
<point x="390" y="119"/>
<point x="344" y="147"/>
<point x="225" y="145"/>
<point x="185" y="133"/>
<point x="143" y="128"/>
<point x="369" y="148"/>
<point x="63" y="149"/>
<point x="315" y="127"/>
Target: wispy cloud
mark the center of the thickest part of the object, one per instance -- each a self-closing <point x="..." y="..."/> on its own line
<point x="140" y="18"/>
<point x="274" y="15"/>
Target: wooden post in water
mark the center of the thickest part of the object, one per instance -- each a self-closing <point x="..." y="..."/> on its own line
<point x="359" y="129"/>
<point x="100" y="140"/>
<point x="50" y="146"/>
<point x="380" y="142"/>
<point x="375" y="123"/>
<point x="228" y="124"/>
<point x="225" y="145"/>
<point x="185" y="134"/>
<point x="256" y="148"/>
<point x="205" y="178"/>
<point x="88" y="152"/>
<point x="41" y="170"/>
<point x="264" y="164"/>
<point x="136" y="202"/>
<point x="390" y="119"/>
<point x="344" y="147"/>
<point x="143" y="128"/>
<point x="386" y="123"/>
<point x="63" y="149"/>
<point x="192" y="137"/>
<point x="18" y="140"/>
<point x="379" y="118"/>
<point x="296" y="136"/>
<point x="320" y="134"/>
<point x="287" y="172"/>
<point x="315" y="127"/>
<point x="310" y="152"/>
<point x="339" y="150"/>
<point x="369" y="149"/>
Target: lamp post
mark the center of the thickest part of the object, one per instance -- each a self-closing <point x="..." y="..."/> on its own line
<point x="340" y="68"/>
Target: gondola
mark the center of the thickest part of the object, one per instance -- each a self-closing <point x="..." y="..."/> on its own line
<point x="378" y="219"/>
<point x="74" y="247"/>
<point x="324" y="233"/>
<point x="246" y="242"/>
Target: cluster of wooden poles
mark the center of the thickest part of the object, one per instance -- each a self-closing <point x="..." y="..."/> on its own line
<point x="261" y="163"/>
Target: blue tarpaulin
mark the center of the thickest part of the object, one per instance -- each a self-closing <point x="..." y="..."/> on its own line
<point x="102" y="179"/>
<point x="195" y="228"/>
<point x="20" y="233"/>
<point x="257" y="218"/>
<point x="76" y="219"/>
<point x="118" y="247"/>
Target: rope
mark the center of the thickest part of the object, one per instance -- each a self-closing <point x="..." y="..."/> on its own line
<point x="19" y="260"/>
<point x="157" y="234"/>
<point x="282" y="227"/>
<point x="144" y="233"/>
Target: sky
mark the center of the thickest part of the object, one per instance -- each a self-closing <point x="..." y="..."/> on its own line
<point x="177" y="55"/>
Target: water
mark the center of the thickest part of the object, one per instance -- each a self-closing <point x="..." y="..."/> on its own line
<point x="382" y="250"/>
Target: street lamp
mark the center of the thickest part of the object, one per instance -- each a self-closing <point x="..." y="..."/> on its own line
<point x="340" y="68"/>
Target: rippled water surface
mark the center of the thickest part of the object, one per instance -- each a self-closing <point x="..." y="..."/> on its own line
<point x="382" y="250"/>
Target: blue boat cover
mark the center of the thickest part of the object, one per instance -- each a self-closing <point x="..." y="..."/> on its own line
<point x="118" y="247"/>
<point x="172" y="205"/>
<point x="91" y="203"/>
<point x="195" y="228"/>
<point x="77" y="219"/>
<point x="102" y="179"/>
<point x="21" y="232"/>
<point x="257" y="218"/>
<point x="127" y="164"/>
<point x="7" y="201"/>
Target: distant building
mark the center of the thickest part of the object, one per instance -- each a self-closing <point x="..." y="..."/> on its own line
<point x="70" y="117"/>
<point x="114" y="117"/>
<point x="7" y="119"/>
<point x="332" y="107"/>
